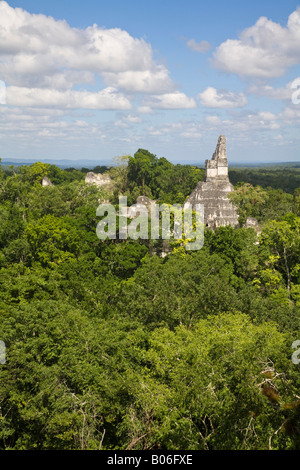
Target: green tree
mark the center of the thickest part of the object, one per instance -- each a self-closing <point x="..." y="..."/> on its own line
<point x="35" y="173"/>
<point x="249" y="200"/>
<point x="52" y="240"/>
<point x="177" y="289"/>
<point x="296" y="208"/>
<point x="282" y="239"/>
<point x="198" y="383"/>
<point x="118" y="172"/>
<point x="140" y="168"/>
<point x="62" y="387"/>
<point x="239" y="246"/>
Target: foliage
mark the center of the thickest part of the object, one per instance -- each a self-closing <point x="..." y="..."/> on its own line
<point x="158" y="178"/>
<point x="285" y="178"/>
<point x="137" y="344"/>
<point x="199" y="383"/>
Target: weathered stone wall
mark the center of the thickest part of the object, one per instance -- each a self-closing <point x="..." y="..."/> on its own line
<point x="212" y="192"/>
<point x="141" y="202"/>
<point x="98" y="179"/>
<point x="46" y="181"/>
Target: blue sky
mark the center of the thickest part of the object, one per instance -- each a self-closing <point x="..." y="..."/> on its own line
<point x="93" y="80"/>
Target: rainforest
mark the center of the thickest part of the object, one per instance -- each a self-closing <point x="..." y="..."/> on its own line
<point x="141" y="344"/>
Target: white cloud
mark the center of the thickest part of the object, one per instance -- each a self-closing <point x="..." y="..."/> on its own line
<point x="290" y="115"/>
<point x="109" y="98"/>
<point x="37" y="42"/>
<point x="29" y="126"/>
<point x="213" y="120"/>
<point x="212" y="98"/>
<point x="282" y="93"/>
<point x="133" y="119"/>
<point x="167" y="129"/>
<point x="176" y="100"/>
<point x="269" y="92"/>
<point x="38" y="52"/>
<point x="266" y="49"/>
<point x="202" y="46"/>
<point x="155" y="80"/>
<point x="2" y="92"/>
<point x="246" y="122"/>
<point x="145" y="110"/>
<point x="125" y="121"/>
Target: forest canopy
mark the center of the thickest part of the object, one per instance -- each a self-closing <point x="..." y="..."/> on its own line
<point x="122" y="344"/>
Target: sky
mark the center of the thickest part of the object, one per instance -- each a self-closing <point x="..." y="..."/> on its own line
<point x="90" y="81"/>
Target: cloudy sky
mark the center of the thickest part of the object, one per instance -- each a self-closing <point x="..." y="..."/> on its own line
<point x="93" y="80"/>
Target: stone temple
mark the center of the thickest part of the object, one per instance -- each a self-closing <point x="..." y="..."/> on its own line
<point x="213" y="191"/>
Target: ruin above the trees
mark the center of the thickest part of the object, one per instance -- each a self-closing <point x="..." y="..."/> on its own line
<point x="213" y="191"/>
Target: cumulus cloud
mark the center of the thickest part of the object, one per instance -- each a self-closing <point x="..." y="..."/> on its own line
<point x="141" y="81"/>
<point x="247" y="122"/>
<point x="212" y="98"/>
<point x="167" y="129"/>
<point x="108" y="98"/>
<point x="36" y="42"/>
<point x="133" y="119"/>
<point x="270" y="92"/>
<point x="213" y="120"/>
<point x="128" y="120"/>
<point x="202" y="46"/>
<point x="2" y="92"/>
<point x="281" y="93"/>
<point x="240" y="125"/>
<point x="145" y="110"/>
<point x="41" y="53"/>
<point x="265" y="50"/>
<point x="176" y="100"/>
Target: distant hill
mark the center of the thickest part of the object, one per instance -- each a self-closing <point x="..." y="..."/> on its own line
<point x="61" y="163"/>
<point x="266" y="165"/>
<point x="92" y="163"/>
